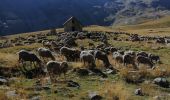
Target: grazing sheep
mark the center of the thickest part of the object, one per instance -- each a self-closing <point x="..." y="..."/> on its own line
<point x="91" y="51"/>
<point x="67" y="52"/>
<point x="112" y="49"/>
<point x="57" y="68"/>
<point x="70" y="54"/>
<point x="144" y="60"/>
<point x="154" y="58"/>
<point x="45" y="53"/>
<point x="132" y="53"/>
<point x="85" y="56"/>
<point x="121" y="52"/>
<point x="102" y="56"/>
<point x="142" y="53"/>
<point x="129" y="59"/>
<point x="46" y="44"/>
<point x="118" y="57"/>
<point x="56" y="46"/>
<point x="28" y="56"/>
<point x="75" y="55"/>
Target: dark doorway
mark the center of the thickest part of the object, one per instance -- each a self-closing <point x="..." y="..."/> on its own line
<point x="73" y="28"/>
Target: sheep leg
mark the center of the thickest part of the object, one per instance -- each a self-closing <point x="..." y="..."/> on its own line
<point x="43" y="59"/>
<point x="115" y="62"/>
<point x="65" y="76"/>
<point x="30" y="65"/>
<point x="134" y="65"/>
<point x="34" y="64"/>
<point x="84" y="62"/>
<point x="138" y="64"/>
<point x="51" y="77"/>
<point x="24" y="67"/>
<point x="124" y="64"/>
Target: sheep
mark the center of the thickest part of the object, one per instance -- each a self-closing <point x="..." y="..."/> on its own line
<point x="132" y="53"/>
<point x="75" y="55"/>
<point x="154" y="58"/>
<point x="87" y="57"/>
<point x="118" y="57"/>
<point x="102" y="56"/>
<point x="70" y="54"/>
<point x="67" y="52"/>
<point x="57" y="68"/>
<point x="112" y="49"/>
<point x="28" y="56"/>
<point x="142" y="53"/>
<point x="144" y="60"/>
<point x="45" y="53"/>
<point x="46" y="44"/>
<point x="129" y="59"/>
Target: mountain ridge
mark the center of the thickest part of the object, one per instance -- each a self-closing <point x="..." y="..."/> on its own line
<point x="28" y="15"/>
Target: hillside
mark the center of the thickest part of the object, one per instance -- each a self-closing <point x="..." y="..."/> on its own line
<point x="34" y="15"/>
<point x="27" y="80"/>
<point x="153" y="27"/>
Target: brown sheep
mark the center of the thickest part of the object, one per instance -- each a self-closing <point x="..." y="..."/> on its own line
<point x="57" y="68"/>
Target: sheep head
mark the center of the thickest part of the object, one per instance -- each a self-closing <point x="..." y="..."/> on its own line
<point x="64" y="67"/>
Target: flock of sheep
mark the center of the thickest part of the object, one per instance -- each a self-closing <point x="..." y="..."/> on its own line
<point x="65" y="45"/>
<point x="86" y="56"/>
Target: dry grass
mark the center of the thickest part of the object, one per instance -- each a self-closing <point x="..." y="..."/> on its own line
<point x="158" y="27"/>
<point x="149" y="89"/>
<point x="16" y="49"/>
<point x="3" y="96"/>
<point x="115" y="91"/>
<point x="98" y="28"/>
<point x="8" y="60"/>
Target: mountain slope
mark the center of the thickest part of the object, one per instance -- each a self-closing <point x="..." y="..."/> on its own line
<point x="30" y="15"/>
<point x="18" y="16"/>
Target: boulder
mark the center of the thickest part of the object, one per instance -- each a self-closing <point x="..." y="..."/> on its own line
<point x="138" y="92"/>
<point x="71" y="83"/>
<point x="82" y="72"/>
<point x="94" y="96"/>
<point x="162" y="82"/>
<point x="3" y="81"/>
<point x="11" y="94"/>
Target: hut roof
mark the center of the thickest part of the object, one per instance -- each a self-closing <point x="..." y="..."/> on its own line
<point x="72" y="18"/>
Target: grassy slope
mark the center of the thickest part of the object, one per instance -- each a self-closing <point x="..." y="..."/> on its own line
<point x="155" y="27"/>
<point x="113" y="86"/>
<point x="160" y="23"/>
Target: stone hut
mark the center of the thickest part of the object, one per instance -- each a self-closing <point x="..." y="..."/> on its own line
<point x="72" y="24"/>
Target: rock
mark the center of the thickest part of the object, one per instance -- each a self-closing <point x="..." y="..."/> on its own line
<point x="66" y="92"/>
<point x="4" y="88"/>
<point x="11" y="94"/>
<point x="82" y="72"/>
<point x="99" y="72"/>
<point x="94" y="96"/>
<point x="3" y="81"/>
<point x="138" y="92"/>
<point x="162" y="82"/>
<point x="46" y="87"/>
<point x="157" y="98"/>
<point x="110" y="71"/>
<point x="13" y="79"/>
<point x="36" y="98"/>
<point x="73" y="84"/>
